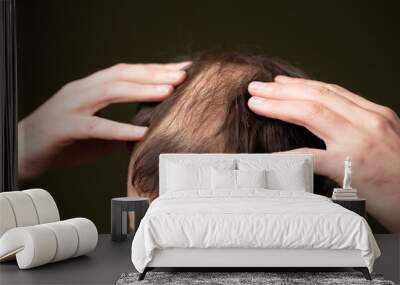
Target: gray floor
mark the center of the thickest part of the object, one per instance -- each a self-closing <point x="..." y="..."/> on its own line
<point x="110" y="260"/>
<point x="103" y="266"/>
<point x="389" y="262"/>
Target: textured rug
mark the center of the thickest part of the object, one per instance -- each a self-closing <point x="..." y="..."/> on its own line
<point x="244" y="278"/>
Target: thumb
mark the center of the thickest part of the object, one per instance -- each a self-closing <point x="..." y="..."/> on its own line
<point x="325" y="162"/>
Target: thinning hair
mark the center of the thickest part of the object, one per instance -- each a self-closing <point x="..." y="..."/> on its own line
<point x="208" y="113"/>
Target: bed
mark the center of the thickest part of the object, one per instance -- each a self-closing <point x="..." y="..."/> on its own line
<point x="247" y="210"/>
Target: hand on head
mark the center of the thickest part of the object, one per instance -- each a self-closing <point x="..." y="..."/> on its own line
<point x="65" y="129"/>
<point x="349" y="125"/>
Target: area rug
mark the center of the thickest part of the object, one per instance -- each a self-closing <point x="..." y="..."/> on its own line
<point x="244" y="278"/>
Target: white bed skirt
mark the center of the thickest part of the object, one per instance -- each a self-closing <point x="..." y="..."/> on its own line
<point x="236" y="257"/>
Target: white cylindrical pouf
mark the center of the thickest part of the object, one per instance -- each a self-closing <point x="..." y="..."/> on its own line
<point x="7" y="218"/>
<point x="67" y="239"/>
<point x="34" y="245"/>
<point x="45" y="205"/>
<point x="87" y="234"/>
<point x="23" y="208"/>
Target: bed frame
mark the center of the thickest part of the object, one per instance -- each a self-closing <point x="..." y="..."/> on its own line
<point x="245" y="259"/>
<point x="242" y="259"/>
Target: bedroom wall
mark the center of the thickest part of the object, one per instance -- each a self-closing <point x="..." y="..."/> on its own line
<point x="354" y="44"/>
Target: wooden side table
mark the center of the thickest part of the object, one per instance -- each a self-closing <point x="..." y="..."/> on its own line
<point x="357" y="206"/>
<point x="119" y="215"/>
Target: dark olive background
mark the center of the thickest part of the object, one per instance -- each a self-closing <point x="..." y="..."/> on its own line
<point x="351" y="43"/>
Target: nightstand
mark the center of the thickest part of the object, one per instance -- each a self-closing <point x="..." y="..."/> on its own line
<point x="119" y="215"/>
<point x="357" y="205"/>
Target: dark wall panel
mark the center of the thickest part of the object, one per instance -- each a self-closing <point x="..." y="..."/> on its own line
<point x="351" y="43"/>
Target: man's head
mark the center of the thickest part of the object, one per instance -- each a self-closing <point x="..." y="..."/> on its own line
<point x="208" y="113"/>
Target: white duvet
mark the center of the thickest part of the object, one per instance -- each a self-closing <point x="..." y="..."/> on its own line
<point x="250" y="219"/>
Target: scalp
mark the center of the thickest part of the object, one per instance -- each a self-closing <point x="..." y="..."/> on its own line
<point x="208" y="113"/>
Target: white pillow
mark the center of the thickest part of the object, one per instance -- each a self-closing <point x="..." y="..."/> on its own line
<point x="251" y="178"/>
<point x="227" y="179"/>
<point x="281" y="174"/>
<point x="293" y="179"/>
<point x="183" y="177"/>
<point x="223" y="179"/>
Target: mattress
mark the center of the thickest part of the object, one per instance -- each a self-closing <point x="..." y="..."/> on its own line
<point x="251" y="219"/>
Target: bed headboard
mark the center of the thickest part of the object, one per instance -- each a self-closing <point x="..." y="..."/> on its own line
<point x="215" y="157"/>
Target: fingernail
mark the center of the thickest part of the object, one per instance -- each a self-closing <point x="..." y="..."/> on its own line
<point x="184" y="65"/>
<point x="141" y="131"/>
<point x="163" y="89"/>
<point x="256" y="100"/>
<point x="257" y="85"/>
<point x="175" y="75"/>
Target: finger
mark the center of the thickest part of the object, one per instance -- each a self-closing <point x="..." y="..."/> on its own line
<point x="300" y="91"/>
<point x="321" y="121"/>
<point x="139" y="73"/>
<point x="98" y="98"/>
<point x="287" y="79"/>
<point x="99" y="128"/>
<point x="173" y="66"/>
<point x="325" y="162"/>
<point x="359" y="100"/>
<point x="122" y="92"/>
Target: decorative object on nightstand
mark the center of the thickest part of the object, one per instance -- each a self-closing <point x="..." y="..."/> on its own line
<point x="356" y="205"/>
<point x="347" y="192"/>
<point x="119" y="215"/>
